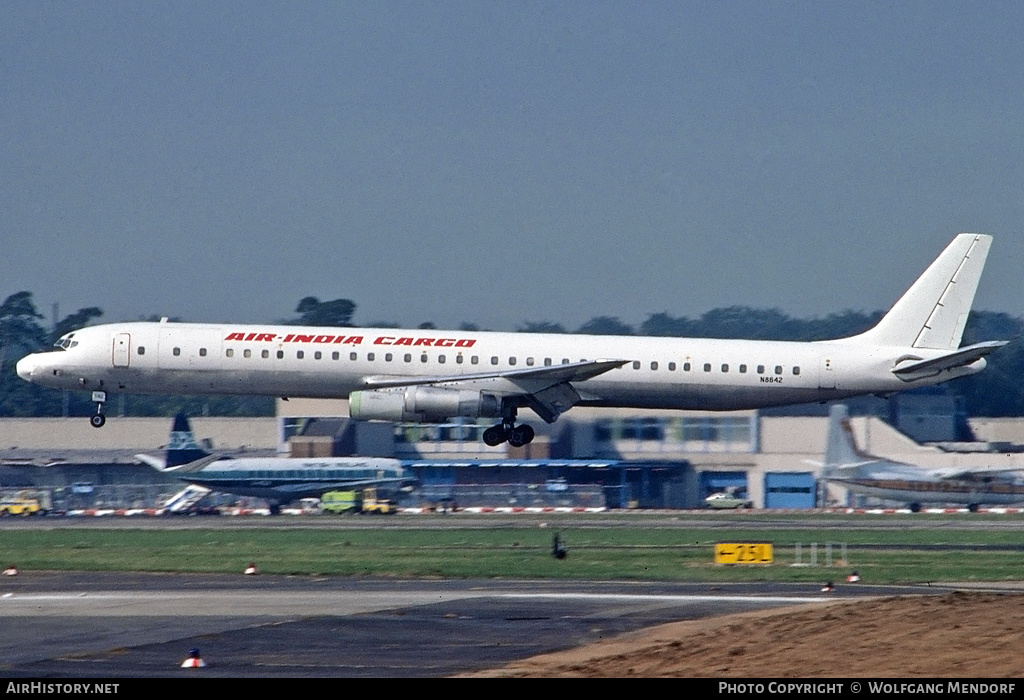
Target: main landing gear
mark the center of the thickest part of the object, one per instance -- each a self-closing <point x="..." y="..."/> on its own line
<point x="517" y="435"/>
<point x="98" y="420"/>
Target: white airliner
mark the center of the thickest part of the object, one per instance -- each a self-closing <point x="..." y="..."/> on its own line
<point x="845" y="465"/>
<point x="433" y="376"/>
<point x="279" y="480"/>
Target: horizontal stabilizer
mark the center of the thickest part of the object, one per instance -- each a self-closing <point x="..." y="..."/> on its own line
<point x="959" y="358"/>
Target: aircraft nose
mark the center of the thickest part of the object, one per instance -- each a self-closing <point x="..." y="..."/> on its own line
<point x="26" y="366"/>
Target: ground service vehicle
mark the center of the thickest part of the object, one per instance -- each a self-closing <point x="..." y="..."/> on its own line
<point x="336" y="502"/>
<point x="373" y="505"/>
<point x="20" y="505"/>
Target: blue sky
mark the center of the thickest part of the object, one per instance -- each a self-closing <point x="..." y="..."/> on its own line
<point x="494" y="162"/>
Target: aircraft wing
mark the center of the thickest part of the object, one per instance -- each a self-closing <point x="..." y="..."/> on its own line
<point x="547" y="390"/>
<point x="957" y="358"/>
<point x="157" y="463"/>
<point x="161" y="465"/>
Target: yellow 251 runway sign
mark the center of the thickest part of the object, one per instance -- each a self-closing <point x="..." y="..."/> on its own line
<point x="743" y="553"/>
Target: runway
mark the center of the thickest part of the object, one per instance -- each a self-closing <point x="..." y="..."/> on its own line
<point x="107" y="625"/>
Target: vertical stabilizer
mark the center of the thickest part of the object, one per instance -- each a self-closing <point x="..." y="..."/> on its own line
<point x="933" y="312"/>
<point x="182" y="447"/>
<point x="840" y="446"/>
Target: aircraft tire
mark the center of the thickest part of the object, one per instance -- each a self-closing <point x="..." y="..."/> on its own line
<point x="495" y="435"/>
<point x="520" y="435"/>
<point x="98" y="421"/>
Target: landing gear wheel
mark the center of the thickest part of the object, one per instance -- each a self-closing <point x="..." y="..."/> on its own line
<point x="520" y="435"/>
<point x="495" y="435"/>
<point x="98" y="421"/>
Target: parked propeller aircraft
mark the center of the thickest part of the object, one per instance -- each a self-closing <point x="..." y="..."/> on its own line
<point x="861" y="473"/>
<point x="279" y="480"/>
<point x="432" y="376"/>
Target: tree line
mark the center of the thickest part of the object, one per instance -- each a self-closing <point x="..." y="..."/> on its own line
<point x="997" y="391"/>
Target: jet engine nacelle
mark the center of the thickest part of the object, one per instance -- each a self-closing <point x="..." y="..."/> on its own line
<point x="422" y="404"/>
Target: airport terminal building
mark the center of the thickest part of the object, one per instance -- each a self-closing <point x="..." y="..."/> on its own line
<point x="613" y="458"/>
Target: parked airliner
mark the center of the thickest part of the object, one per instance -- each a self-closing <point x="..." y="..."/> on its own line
<point x="433" y="376"/>
<point x="845" y="465"/>
<point x="279" y="480"/>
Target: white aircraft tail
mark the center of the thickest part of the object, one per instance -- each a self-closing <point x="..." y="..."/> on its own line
<point x="933" y="312"/>
<point x="840" y="446"/>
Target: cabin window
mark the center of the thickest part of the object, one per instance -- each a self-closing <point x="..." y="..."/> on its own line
<point x="686" y="366"/>
<point x="388" y="357"/>
<point x="636" y="364"/>
<point x="654" y="365"/>
<point x="142" y="350"/>
<point x="335" y="355"/>
<point x="202" y="352"/>
<point x="176" y="351"/>
<point x="778" y="369"/>
<point x="725" y="368"/>
<point x="529" y="362"/>
<point x="300" y="354"/>
<point x="511" y="361"/>
<point x="671" y="366"/>
<point x="440" y="359"/>
<point x="474" y="360"/>
<point x="352" y="356"/>
<point x="796" y="370"/>
<point x="743" y="369"/>
<point x="494" y="360"/>
<point x="370" y="356"/>
<point x="245" y="353"/>
<point x="565" y="360"/>
<point x="265" y="354"/>
<point x="547" y="361"/>
<point x="760" y="369"/>
<point x="458" y="359"/>
<point x="707" y="366"/>
<point x="423" y="357"/>
<point x="280" y="354"/>
<point x="318" y="355"/>
<point x="229" y="352"/>
<point x="407" y="357"/>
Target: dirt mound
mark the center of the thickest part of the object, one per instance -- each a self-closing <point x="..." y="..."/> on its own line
<point x="953" y="635"/>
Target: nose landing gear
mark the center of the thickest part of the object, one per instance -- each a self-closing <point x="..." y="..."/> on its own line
<point x="98" y="420"/>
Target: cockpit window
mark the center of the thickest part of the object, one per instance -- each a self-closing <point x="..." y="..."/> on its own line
<point x="66" y="342"/>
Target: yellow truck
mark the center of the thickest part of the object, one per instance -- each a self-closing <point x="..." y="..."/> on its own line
<point x="378" y="506"/>
<point x="20" y="504"/>
<point x="364" y="501"/>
